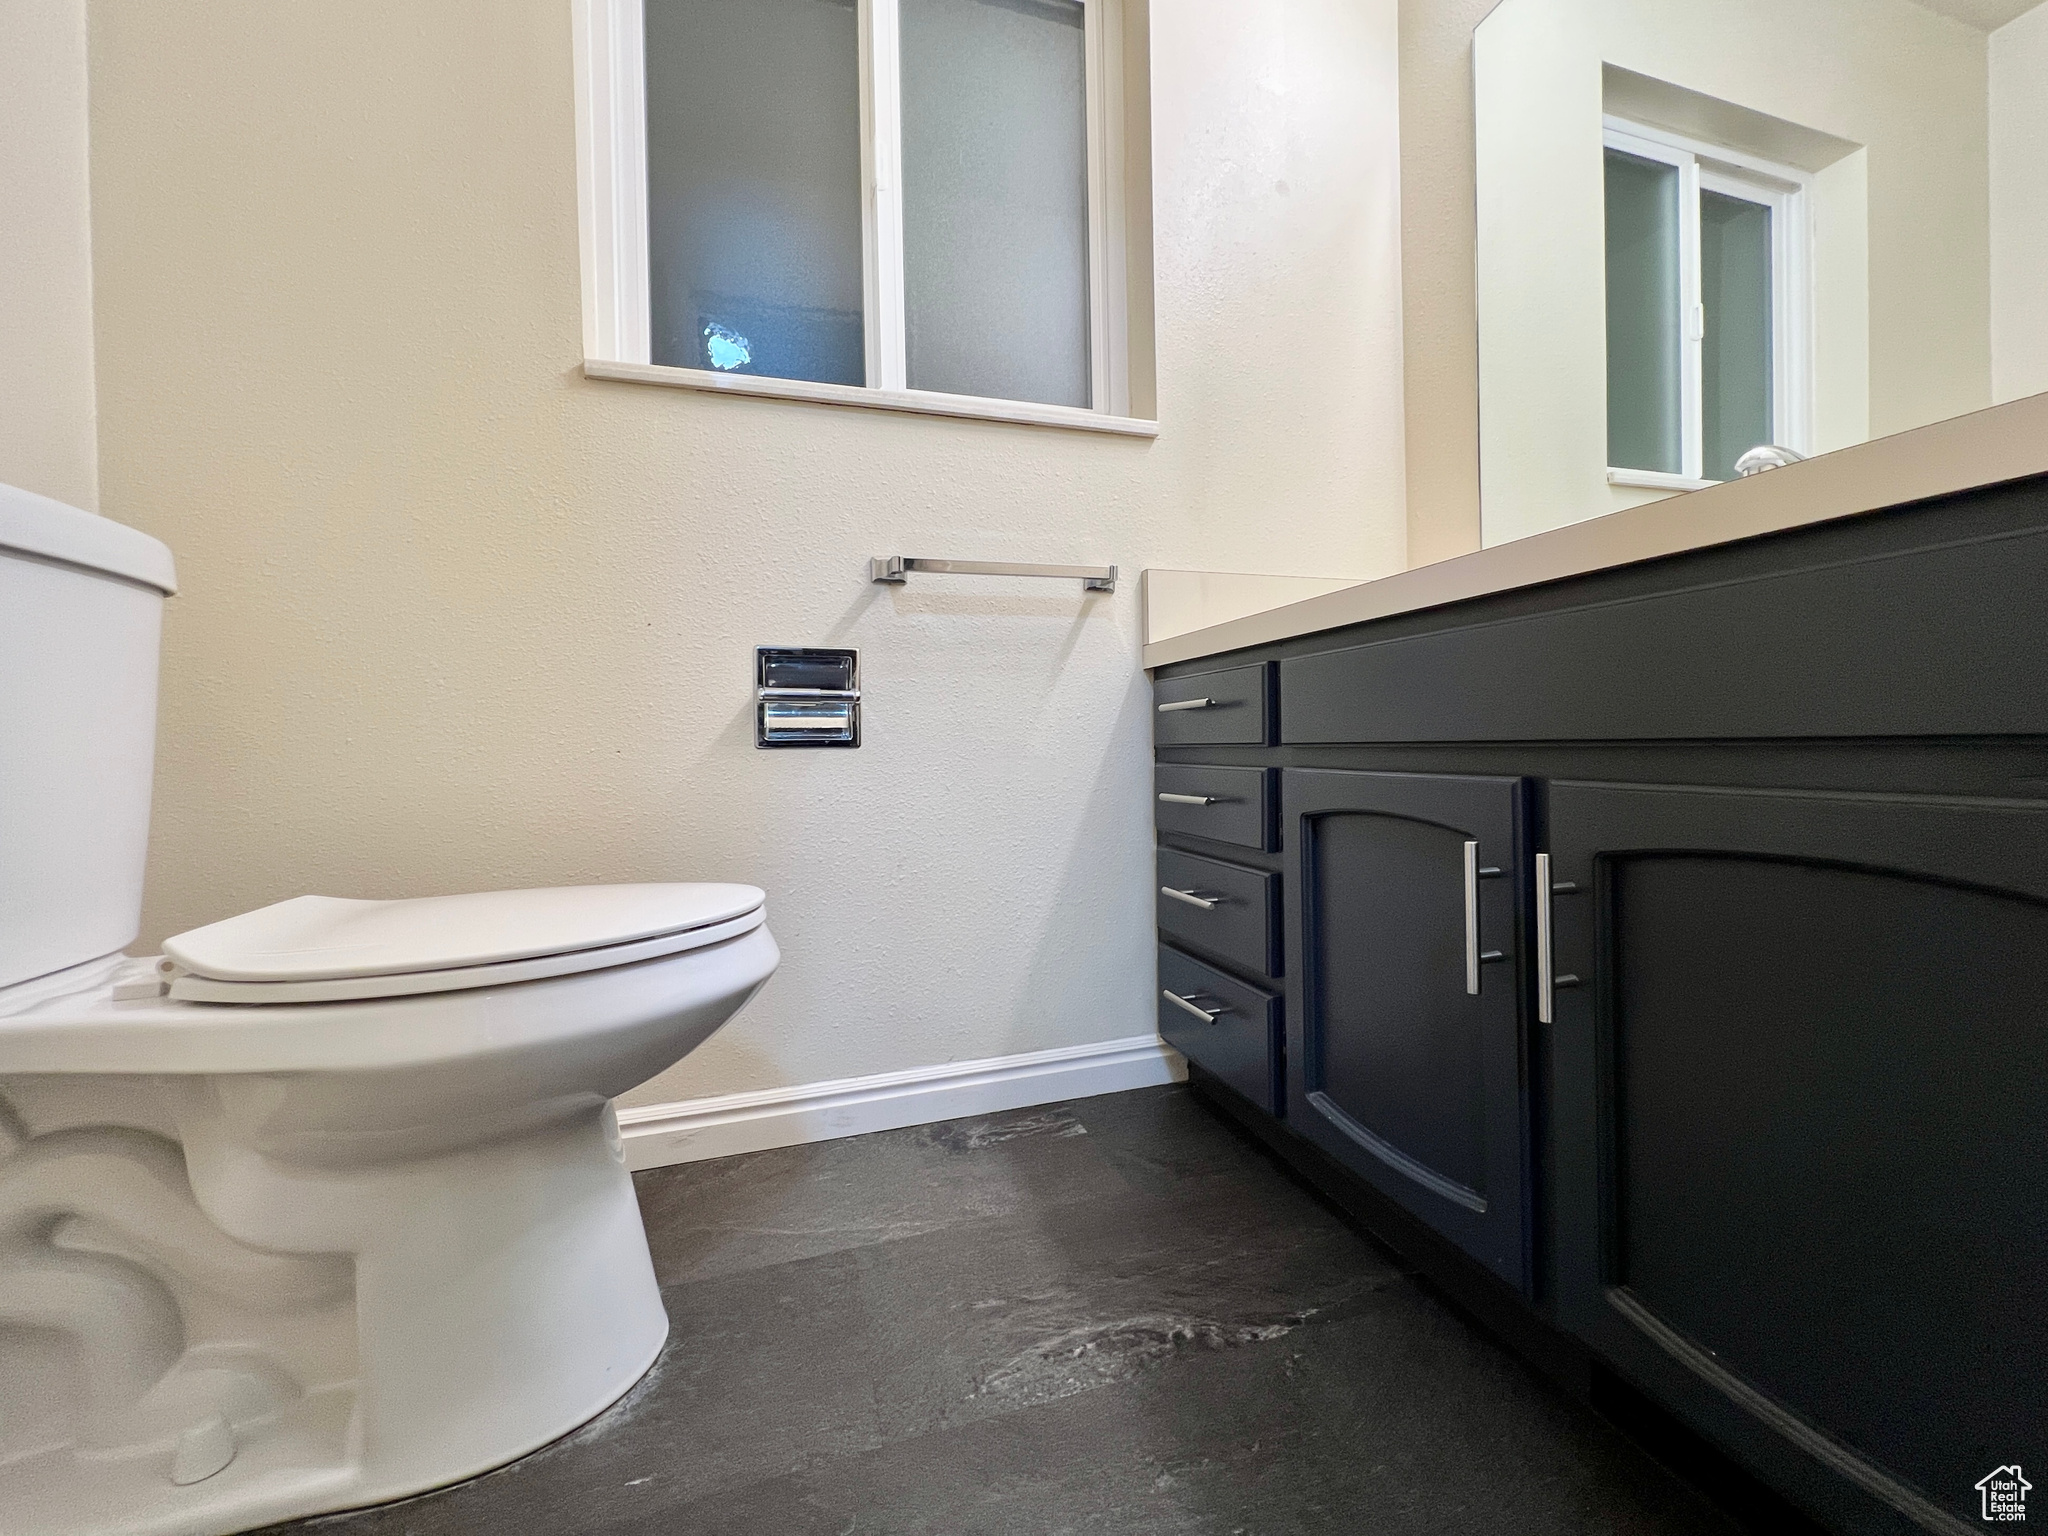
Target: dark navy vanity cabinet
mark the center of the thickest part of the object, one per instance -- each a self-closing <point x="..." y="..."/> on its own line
<point x="1659" y="957"/>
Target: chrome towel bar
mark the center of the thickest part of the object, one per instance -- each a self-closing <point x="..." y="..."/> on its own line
<point x="897" y="569"/>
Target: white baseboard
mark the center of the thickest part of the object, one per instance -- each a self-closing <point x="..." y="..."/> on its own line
<point x="657" y="1135"/>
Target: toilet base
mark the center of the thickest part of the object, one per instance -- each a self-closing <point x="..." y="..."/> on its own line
<point x="198" y="1336"/>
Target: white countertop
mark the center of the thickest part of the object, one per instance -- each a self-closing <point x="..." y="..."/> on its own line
<point x="2005" y="442"/>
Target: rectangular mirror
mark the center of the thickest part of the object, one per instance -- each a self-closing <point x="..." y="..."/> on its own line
<point x="1727" y="233"/>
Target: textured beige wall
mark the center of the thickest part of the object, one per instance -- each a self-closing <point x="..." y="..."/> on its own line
<point x="1440" y="326"/>
<point x="2019" y="206"/>
<point x="455" y="617"/>
<point x="47" y="442"/>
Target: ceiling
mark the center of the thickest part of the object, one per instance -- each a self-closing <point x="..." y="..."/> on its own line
<point x="1988" y="15"/>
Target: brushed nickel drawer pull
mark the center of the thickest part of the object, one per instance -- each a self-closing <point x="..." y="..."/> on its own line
<point x="1189" y="799"/>
<point x="1206" y="903"/>
<point x="1207" y="1015"/>
<point x="1167" y="709"/>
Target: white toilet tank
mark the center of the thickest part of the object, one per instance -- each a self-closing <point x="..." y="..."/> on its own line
<point x="81" y="610"/>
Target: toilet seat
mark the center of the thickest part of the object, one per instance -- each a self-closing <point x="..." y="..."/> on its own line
<point x="315" y="949"/>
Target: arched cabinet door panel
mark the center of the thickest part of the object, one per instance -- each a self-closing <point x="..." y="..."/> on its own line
<point x="1405" y="1055"/>
<point x="1802" y="1126"/>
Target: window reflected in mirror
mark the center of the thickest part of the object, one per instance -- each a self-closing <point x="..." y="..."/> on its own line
<point x="1726" y="235"/>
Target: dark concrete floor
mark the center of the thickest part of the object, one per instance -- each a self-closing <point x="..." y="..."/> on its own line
<point x="1117" y="1315"/>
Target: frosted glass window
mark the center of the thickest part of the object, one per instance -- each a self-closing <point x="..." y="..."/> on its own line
<point x="995" y="198"/>
<point x="1645" y="400"/>
<point x="1735" y="356"/>
<point x="755" y="247"/>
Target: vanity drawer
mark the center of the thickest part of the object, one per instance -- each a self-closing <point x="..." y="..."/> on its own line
<point x="1230" y="805"/>
<point x="1221" y="1025"/>
<point x="1224" y="910"/>
<point x="1233" y="707"/>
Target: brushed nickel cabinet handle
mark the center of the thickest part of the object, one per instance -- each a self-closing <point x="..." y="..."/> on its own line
<point x="1189" y="799"/>
<point x="1206" y="903"/>
<point x="1187" y="1004"/>
<point x="1167" y="709"/>
<point x="1474" y="955"/>
<point x="1471" y="918"/>
<point x="1546" y="979"/>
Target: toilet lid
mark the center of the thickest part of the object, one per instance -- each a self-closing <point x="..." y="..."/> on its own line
<point x="330" y="946"/>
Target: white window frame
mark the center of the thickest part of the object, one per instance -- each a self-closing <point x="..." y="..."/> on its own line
<point x="1787" y="192"/>
<point x="611" y="113"/>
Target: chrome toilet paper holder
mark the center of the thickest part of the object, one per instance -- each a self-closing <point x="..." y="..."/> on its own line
<point x="806" y="697"/>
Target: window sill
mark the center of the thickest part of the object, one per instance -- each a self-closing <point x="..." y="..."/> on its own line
<point x="1656" y="480"/>
<point x="917" y="401"/>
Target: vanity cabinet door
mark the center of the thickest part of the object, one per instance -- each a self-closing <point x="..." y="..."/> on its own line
<point x="1801" y="1118"/>
<point x="1404" y="1051"/>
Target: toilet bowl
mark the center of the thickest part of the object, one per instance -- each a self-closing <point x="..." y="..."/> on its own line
<point x="348" y="1250"/>
<point x="325" y="1205"/>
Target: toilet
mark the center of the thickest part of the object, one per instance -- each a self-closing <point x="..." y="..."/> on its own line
<point x="326" y="1204"/>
